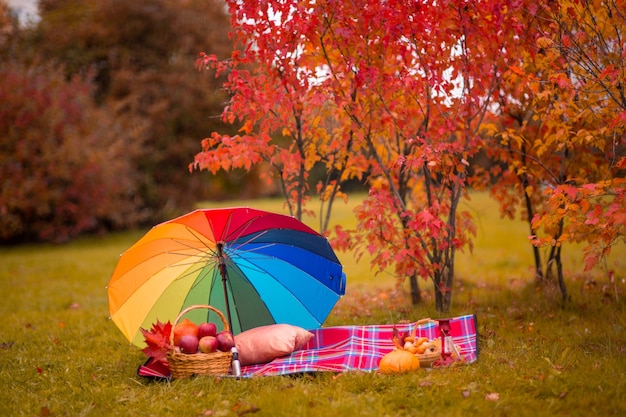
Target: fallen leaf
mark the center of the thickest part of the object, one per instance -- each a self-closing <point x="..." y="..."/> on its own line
<point x="492" y="396"/>
<point x="242" y="409"/>
<point x="466" y="393"/>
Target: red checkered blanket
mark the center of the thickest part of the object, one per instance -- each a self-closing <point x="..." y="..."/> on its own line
<point x="348" y="348"/>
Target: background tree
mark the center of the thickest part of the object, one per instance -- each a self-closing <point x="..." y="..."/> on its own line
<point x="562" y="112"/>
<point x="284" y="117"/>
<point x="141" y="55"/>
<point x="427" y="75"/>
<point x="62" y="159"/>
<point x="406" y="84"/>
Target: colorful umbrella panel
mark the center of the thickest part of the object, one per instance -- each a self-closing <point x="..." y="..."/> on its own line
<point x="256" y="267"/>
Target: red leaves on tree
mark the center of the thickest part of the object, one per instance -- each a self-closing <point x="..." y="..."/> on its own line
<point x="403" y="95"/>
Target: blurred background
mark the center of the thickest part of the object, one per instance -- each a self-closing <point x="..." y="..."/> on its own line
<point x="103" y="111"/>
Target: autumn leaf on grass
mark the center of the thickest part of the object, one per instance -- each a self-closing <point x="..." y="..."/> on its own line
<point x="157" y="340"/>
<point x="492" y="396"/>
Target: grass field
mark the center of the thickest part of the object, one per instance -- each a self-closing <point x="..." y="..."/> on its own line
<point x="60" y="355"/>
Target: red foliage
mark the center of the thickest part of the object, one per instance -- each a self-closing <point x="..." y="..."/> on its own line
<point x="395" y="90"/>
<point x="62" y="160"/>
<point x="561" y="131"/>
<point x="157" y="340"/>
<point x="401" y="94"/>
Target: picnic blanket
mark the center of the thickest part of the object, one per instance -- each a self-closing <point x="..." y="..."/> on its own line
<point x="352" y="348"/>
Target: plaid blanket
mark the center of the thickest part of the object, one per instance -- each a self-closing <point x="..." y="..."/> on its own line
<point x="348" y="348"/>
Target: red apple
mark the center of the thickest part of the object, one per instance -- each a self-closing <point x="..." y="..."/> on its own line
<point x="208" y="344"/>
<point x="188" y="343"/>
<point x="207" y="329"/>
<point x="225" y="340"/>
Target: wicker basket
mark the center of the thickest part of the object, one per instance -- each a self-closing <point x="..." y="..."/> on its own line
<point x="183" y="365"/>
<point x="427" y="359"/>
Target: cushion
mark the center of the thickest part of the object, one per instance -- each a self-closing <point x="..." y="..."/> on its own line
<point x="265" y="343"/>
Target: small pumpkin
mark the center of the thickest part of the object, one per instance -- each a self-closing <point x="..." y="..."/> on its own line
<point x="398" y="361"/>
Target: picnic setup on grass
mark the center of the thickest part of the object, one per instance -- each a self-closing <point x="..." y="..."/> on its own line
<point x="243" y="292"/>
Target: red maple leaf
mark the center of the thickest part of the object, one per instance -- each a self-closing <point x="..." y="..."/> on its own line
<point x="157" y="340"/>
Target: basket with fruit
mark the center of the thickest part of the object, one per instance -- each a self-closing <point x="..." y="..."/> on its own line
<point x="199" y="349"/>
<point x="427" y="351"/>
<point x="431" y="352"/>
<point x="412" y="352"/>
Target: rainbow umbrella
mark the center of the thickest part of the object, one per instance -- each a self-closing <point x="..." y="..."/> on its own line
<point x="256" y="267"/>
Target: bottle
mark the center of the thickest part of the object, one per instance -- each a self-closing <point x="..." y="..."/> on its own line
<point x="236" y="365"/>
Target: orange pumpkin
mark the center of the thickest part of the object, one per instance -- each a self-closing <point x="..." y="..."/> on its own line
<point x="398" y="361"/>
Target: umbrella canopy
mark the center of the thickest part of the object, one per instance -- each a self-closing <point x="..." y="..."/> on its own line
<point x="256" y="267"/>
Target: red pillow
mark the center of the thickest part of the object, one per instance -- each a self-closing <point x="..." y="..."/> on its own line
<point x="265" y="343"/>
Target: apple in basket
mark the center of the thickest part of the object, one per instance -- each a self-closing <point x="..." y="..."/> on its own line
<point x="226" y="341"/>
<point x="188" y="343"/>
<point x="208" y="344"/>
<point x="207" y="329"/>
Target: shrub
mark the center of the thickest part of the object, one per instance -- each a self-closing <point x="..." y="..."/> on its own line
<point x="64" y="162"/>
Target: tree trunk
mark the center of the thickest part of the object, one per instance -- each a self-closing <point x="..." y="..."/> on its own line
<point x="555" y="261"/>
<point x="446" y="273"/>
<point x="416" y="295"/>
<point x="448" y="280"/>
<point x="559" y="270"/>
<point x="539" y="277"/>
<point x="439" y="297"/>
<point x="559" y="265"/>
<point x="301" y="192"/>
<point x="443" y="289"/>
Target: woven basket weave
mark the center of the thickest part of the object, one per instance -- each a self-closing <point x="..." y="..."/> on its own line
<point x="184" y="365"/>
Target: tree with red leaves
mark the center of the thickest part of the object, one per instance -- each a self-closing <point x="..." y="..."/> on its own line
<point x="562" y="131"/>
<point x="394" y="91"/>
<point x="400" y="94"/>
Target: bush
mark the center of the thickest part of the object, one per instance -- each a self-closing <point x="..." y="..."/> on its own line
<point x="64" y="162"/>
<point x="142" y="56"/>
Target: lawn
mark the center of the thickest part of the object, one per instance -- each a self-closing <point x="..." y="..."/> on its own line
<point x="60" y="355"/>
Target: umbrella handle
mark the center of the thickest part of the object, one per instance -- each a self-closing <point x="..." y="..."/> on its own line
<point x="188" y="309"/>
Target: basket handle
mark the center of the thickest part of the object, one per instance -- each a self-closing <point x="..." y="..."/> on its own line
<point x="420" y="322"/>
<point x="188" y="309"/>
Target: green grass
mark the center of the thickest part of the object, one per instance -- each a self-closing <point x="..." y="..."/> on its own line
<point x="61" y="356"/>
